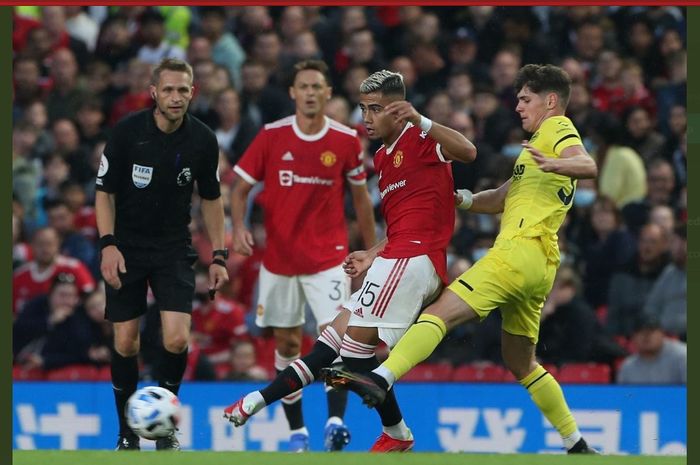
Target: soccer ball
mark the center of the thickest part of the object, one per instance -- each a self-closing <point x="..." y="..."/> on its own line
<point x="153" y="412"/>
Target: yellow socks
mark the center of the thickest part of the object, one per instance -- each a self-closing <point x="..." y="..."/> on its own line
<point x="416" y="345"/>
<point x="549" y="398"/>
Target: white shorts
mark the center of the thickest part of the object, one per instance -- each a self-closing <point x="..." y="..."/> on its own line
<point x="393" y="294"/>
<point x="281" y="299"/>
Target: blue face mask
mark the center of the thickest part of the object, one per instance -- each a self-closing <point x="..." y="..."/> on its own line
<point x="584" y="197"/>
<point x="511" y="150"/>
<point x="479" y="253"/>
<point x="590" y="146"/>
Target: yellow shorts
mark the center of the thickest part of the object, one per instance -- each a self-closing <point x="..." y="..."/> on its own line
<point x="515" y="276"/>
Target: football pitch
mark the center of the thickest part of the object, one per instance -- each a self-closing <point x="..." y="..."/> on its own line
<point x="318" y="458"/>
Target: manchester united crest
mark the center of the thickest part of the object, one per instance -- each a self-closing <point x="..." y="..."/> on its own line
<point x="398" y="158"/>
<point x="328" y="158"/>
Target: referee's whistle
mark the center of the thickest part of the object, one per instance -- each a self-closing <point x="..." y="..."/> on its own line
<point x="211" y="294"/>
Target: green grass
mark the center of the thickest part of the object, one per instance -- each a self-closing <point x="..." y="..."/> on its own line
<point x="348" y="458"/>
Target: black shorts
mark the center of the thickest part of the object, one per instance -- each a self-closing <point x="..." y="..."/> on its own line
<point x="170" y="275"/>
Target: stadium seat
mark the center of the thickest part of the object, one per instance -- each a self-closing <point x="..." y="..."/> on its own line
<point x="73" y="373"/>
<point x="552" y="369"/>
<point x="584" y="373"/>
<point x="20" y="373"/>
<point x="222" y="369"/>
<point x="429" y="372"/>
<point x="480" y="373"/>
<point x="104" y="373"/>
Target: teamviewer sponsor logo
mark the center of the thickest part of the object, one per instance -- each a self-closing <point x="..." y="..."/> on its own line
<point x="288" y="179"/>
<point x="392" y="187"/>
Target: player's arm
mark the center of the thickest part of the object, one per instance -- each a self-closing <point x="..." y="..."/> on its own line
<point x="488" y="201"/>
<point x="112" y="260"/>
<point x="573" y="161"/>
<point x="242" y="237"/>
<point x="359" y="261"/>
<point x="364" y="212"/>
<point x="453" y="145"/>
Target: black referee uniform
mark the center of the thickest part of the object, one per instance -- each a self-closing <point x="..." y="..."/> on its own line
<point x="152" y="175"/>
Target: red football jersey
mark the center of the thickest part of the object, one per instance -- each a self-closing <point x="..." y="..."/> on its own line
<point x="219" y="323"/>
<point x="417" y="192"/>
<point x="304" y="191"/>
<point x="28" y="283"/>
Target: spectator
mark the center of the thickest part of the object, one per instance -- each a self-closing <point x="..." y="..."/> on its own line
<point x="233" y="131"/>
<point x="664" y="217"/>
<point x="137" y="96"/>
<point x="81" y="26"/>
<point x="640" y="134"/>
<point x="629" y="288"/>
<point x="504" y="69"/>
<point x="91" y="121"/>
<point x="610" y="249"/>
<point x="198" y="50"/>
<point x="155" y="45"/>
<point x="217" y="323"/>
<point x="28" y="83"/>
<point x="226" y="50"/>
<point x="67" y="144"/>
<point x="662" y="184"/>
<point x="568" y="330"/>
<point x="100" y="350"/>
<point x="53" y="331"/>
<point x="668" y="298"/>
<point x="25" y="170"/>
<point x="75" y="197"/>
<point x="73" y="244"/>
<point x="114" y="44"/>
<point x="460" y="90"/>
<point x="621" y="171"/>
<point x="66" y="94"/>
<point x="262" y="103"/>
<point x="243" y="364"/>
<point x="659" y="360"/>
<point x="34" y="279"/>
<point x="53" y="19"/>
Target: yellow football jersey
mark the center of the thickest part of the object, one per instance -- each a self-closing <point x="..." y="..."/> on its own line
<point x="537" y="202"/>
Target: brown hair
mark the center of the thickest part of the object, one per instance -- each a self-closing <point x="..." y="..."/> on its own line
<point x="171" y="64"/>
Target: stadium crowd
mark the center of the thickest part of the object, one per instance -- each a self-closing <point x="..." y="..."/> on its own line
<point x="619" y="300"/>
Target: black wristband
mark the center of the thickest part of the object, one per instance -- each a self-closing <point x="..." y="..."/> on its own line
<point x="107" y="240"/>
<point x="218" y="261"/>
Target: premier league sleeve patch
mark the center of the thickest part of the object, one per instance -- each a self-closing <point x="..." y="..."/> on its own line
<point x="141" y="175"/>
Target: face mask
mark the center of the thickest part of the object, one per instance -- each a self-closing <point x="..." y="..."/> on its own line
<point x="589" y="145"/>
<point x="479" y="253"/>
<point x="584" y="197"/>
<point x="511" y="150"/>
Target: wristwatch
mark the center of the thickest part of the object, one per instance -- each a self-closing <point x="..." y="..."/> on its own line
<point x="223" y="253"/>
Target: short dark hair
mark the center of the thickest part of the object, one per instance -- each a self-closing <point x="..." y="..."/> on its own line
<point x="171" y="64"/>
<point x="314" y="65"/>
<point x="545" y="78"/>
<point x="386" y="82"/>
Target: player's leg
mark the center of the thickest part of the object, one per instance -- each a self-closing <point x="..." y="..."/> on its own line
<point x="281" y="307"/>
<point x="519" y="357"/>
<point x="326" y="292"/>
<point x="287" y="351"/>
<point x="296" y="376"/>
<point x="358" y="354"/>
<point x="392" y="295"/>
<point x="472" y="290"/>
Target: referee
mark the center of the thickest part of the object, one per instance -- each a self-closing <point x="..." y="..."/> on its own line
<point x="143" y="200"/>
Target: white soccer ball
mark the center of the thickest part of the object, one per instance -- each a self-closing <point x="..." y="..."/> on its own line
<point x="153" y="412"/>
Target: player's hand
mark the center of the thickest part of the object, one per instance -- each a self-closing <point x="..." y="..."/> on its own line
<point x="546" y="164"/>
<point x="243" y="241"/>
<point x="403" y="111"/>
<point x="357" y="263"/>
<point x="112" y="264"/>
<point x="218" y="276"/>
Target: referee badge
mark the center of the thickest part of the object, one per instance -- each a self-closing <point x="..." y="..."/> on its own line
<point x="141" y="175"/>
<point x="185" y="177"/>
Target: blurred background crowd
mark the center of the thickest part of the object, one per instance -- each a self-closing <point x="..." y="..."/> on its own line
<point x="617" y="311"/>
